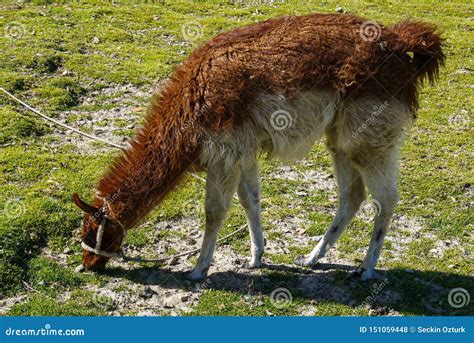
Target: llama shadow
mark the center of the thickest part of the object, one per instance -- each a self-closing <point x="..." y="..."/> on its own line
<point x="394" y="291"/>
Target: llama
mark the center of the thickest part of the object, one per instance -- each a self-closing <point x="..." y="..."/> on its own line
<point x="275" y="87"/>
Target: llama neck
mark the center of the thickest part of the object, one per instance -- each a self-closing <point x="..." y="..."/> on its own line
<point x="158" y="157"/>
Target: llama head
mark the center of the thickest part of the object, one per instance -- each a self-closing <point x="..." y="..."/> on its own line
<point x="101" y="236"/>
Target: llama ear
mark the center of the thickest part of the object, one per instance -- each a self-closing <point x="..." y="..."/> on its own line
<point x="82" y="205"/>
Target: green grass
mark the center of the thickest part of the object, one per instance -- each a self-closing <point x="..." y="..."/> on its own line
<point x="66" y="51"/>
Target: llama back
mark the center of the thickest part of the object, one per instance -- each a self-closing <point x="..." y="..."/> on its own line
<point x="290" y="55"/>
<point x="239" y="75"/>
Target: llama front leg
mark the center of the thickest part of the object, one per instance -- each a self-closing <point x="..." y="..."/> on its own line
<point x="220" y="187"/>
<point x="381" y="180"/>
<point x="249" y="196"/>
<point x="351" y="194"/>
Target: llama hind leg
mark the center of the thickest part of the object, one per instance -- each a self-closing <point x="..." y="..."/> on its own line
<point x="351" y="194"/>
<point x="249" y="196"/>
<point x="221" y="184"/>
<point x="381" y="179"/>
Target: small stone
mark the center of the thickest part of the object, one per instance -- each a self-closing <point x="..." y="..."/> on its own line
<point x="171" y="301"/>
<point x="340" y="9"/>
<point x="79" y="269"/>
<point x="146" y="293"/>
<point x="185" y="297"/>
<point x="301" y="231"/>
<point x="260" y="303"/>
<point x="95" y="40"/>
<point x="67" y="251"/>
<point x="463" y="71"/>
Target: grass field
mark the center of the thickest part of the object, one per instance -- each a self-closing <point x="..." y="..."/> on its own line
<point x="95" y="64"/>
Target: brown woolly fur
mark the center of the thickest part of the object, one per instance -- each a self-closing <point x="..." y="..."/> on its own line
<point x="213" y="90"/>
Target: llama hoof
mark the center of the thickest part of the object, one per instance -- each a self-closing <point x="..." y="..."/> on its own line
<point x="304" y="261"/>
<point x="362" y="274"/>
<point x="367" y="275"/>
<point x="196" y="275"/>
<point x="253" y="264"/>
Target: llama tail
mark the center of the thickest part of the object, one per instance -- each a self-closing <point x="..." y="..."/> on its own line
<point x="425" y="42"/>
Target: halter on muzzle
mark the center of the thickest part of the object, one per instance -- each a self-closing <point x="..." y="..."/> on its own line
<point x="100" y="235"/>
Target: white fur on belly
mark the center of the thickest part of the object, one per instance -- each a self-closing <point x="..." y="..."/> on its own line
<point x="285" y="129"/>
